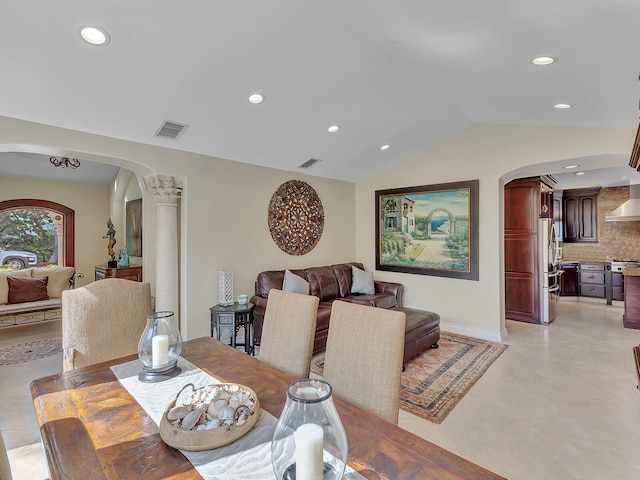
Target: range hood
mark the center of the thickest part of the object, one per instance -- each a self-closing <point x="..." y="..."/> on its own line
<point x="629" y="211"/>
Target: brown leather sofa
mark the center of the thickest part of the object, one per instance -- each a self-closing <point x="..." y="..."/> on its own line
<point x="329" y="283"/>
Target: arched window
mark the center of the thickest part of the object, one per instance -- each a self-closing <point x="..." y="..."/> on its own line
<point x="63" y="219"/>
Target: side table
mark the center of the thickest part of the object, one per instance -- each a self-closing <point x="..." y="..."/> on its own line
<point x="231" y="318"/>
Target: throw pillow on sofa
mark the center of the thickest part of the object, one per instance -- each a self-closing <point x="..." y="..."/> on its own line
<point x="4" y="286"/>
<point x="58" y="279"/>
<point x="294" y="283"/>
<point x="27" y="289"/>
<point x="362" y="281"/>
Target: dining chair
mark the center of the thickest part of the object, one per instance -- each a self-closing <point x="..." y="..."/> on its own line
<point x="5" y="467"/>
<point x="103" y="320"/>
<point x="288" y="331"/>
<point x="363" y="359"/>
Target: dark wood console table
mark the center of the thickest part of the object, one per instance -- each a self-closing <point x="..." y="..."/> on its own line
<point x="128" y="273"/>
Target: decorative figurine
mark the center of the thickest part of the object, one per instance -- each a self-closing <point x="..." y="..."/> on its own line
<point x="111" y="235"/>
<point x="124" y="257"/>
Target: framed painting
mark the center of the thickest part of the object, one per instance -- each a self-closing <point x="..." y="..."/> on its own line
<point x="134" y="227"/>
<point x="429" y="230"/>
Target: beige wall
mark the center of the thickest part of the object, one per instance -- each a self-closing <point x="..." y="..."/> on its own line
<point x="223" y="212"/>
<point x="91" y="212"/>
<point x="488" y="153"/>
<point x="123" y="188"/>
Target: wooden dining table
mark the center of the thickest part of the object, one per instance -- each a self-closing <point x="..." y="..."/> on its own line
<point x="92" y="428"/>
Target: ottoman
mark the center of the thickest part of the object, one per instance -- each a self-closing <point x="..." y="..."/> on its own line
<point x="422" y="331"/>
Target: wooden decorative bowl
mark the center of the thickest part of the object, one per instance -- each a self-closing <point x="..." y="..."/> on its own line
<point x="244" y="418"/>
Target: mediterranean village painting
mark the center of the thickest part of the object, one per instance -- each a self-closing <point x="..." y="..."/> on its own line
<point x="428" y="230"/>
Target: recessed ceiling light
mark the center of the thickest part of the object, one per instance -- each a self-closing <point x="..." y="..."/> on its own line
<point x="333" y="128"/>
<point x="567" y="167"/>
<point x="385" y="147"/>
<point x="256" y="98"/>
<point x="562" y="106"/>
<point x="94" y="36"/>
<point x="579" y="173"/>
<point x="543" y="60"/>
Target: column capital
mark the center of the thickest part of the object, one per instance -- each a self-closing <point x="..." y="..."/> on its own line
<point x="164" y="189"/>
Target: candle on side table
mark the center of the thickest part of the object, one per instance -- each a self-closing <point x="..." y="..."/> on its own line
<point x="159" y="351"/>
<point x="309" y="439"/>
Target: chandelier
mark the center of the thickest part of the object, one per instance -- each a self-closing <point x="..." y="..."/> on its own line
<point x="65" y="162"/>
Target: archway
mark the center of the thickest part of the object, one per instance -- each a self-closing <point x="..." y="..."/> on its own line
<point x="452" y="221"/>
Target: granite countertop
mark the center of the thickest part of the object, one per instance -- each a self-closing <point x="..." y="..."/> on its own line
<point x="632" y="272"/>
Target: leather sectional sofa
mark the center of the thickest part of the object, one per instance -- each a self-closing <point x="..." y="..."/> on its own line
<point x="329" y="283"/>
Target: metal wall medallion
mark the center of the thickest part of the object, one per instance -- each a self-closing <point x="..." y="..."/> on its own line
<point x="296" y="217"/>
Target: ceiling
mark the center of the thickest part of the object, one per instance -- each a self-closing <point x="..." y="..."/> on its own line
<point x="407" y="73"/>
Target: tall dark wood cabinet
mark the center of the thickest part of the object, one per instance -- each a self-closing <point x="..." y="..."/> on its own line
<point x="525" y="202"/>
<point x="579" y="215"/>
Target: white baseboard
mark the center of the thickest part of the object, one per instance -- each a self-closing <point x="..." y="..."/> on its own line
<point x="493" y="336"/>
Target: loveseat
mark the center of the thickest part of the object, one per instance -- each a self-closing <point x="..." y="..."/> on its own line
<point x="33" y="294"/>
<point x="328" y="283"/>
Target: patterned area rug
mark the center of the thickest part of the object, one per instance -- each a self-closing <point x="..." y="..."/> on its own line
<point x="435" y="381"/>
<point x="29" y="351"/>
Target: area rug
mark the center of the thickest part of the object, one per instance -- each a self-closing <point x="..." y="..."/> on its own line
<point x="435" y="381"/>
<point x="29" y="351"/>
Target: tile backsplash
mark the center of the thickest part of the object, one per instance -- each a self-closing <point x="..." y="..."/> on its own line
<point x="616" y="240"/>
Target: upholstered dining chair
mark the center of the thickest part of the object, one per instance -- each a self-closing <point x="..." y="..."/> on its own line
<point x="288" y="331"/>
<point x="363" y="359"/>
<point x="5" y="467"/>
<point x="103" y="320"/>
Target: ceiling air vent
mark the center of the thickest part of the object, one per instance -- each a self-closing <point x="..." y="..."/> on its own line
<point x="309" y="163"/>
<point x="171" y="130"/>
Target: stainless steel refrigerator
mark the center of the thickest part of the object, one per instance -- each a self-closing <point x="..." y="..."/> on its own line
<point x="549" y="270"/>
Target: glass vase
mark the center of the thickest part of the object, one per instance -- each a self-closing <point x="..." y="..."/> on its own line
<point x="159" y="348"/>
<point x="309" y="442"/>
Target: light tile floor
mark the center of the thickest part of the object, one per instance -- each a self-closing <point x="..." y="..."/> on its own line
<point x="561" y="403"/>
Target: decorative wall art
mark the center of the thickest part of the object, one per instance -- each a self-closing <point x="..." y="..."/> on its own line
<point x="134" y="227"/>
<point x="429" y="230"/>
<point x="296" y="217"/>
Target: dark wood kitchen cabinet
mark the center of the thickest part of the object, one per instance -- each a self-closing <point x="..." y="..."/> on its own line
<point x="579" y="215"/>
<point x="617" y="278"/>
<point x="525" y="202"/>
<point x="569" y="279"/>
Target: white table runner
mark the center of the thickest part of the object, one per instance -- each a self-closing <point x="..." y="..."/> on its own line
<point x="249" y="457"/>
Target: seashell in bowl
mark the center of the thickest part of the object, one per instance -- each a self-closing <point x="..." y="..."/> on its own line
<point x="176" y="413"/>
<point x="191" y="419"/>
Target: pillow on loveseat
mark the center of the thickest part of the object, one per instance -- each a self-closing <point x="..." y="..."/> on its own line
<point x="27" y="289"/>
<point x="58" y="279"/>
<point x="294" y="283"/>
<point x="4" y="286"/>
<point x="362" y="281"/>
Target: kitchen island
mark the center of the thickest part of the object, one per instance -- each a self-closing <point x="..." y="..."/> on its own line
<point x="631" y="318"/>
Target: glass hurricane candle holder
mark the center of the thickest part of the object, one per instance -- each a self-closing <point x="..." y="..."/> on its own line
<point x="159" y="348"/>
<point x="309" y="442"/>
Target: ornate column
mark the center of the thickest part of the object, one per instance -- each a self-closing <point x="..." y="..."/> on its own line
<point x="165" y="191"/>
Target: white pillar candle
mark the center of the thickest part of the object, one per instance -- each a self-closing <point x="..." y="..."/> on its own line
<point x="159" y="351"/>
<point x="308" y="439"/>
